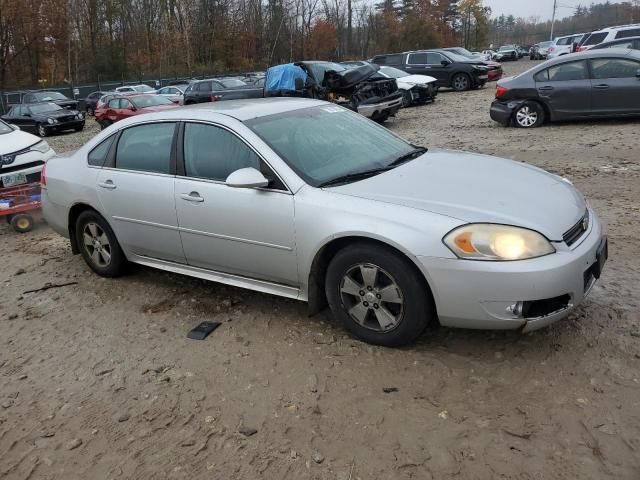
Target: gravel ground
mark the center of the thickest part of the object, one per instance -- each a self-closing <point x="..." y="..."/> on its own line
<point x="97" y="379"/>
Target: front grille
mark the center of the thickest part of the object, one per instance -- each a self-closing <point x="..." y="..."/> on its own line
<point x="67" y="118"/>
<point x="572" y="235"/>
<point x="17" y="168"/>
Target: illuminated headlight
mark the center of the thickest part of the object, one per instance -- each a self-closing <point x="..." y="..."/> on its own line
<point x="42" y="147"/>
<point x="496" y="242"/>
<point x="51" y="121"/>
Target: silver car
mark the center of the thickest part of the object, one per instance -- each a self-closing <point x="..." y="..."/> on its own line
<point x="308" y="200"/>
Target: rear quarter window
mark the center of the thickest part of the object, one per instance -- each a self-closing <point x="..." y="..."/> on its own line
<point x="98" y="155"/>
<point x="632" y="32"/>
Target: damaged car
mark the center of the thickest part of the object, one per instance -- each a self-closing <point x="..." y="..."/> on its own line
<point x="359" y="89"/>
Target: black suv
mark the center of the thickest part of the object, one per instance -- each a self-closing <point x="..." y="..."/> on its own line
<point x="449" y="69"/>
<point x="217" y="89"/>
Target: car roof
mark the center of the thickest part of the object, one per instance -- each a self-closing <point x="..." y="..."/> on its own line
<point x="616" y="28"/>
<point x="241" y="110"/>
<point x="609" y="52"/>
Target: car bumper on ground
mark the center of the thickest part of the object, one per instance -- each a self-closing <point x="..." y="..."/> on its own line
<point x="391" y="105"/>
<point x="502" y="112"/>
<point x="526" y="295"/>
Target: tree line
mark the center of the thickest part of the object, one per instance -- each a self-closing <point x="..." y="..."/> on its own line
<point x="50" y="42"/>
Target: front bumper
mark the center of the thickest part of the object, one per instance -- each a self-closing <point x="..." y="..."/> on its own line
<point x="28" y="164"/>
<point x="390" y="104"/>
<point x="61" y="127"/>
<point x="486" y="295"/>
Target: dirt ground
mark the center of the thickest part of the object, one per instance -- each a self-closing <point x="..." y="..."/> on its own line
<point x="98" y="379"/>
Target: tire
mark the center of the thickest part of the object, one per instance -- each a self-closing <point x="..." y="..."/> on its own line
<point x="376" y="272"/>
<point x="90" y="112"/>
<point x="42" y="130"/>
<point x="79" y="129"/>
<point x="406" y="99"/>
<point x="528" y="115"/>
<point x="461" y="82"/>
<point x="100" y="247"/>
<point x="381" y="117"/>
<point x="22" y="222"/>
<point x="104" y="124"/>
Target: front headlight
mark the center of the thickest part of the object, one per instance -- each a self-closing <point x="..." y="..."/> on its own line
<point x="79" y="116"/>
<point x="483" y="241"/>
<point x="50" y="121"/>
<point x="42" y="147"/>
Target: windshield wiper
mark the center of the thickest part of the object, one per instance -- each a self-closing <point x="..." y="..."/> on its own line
<point x="352" y="177"/>
<point x="407" y="156"/>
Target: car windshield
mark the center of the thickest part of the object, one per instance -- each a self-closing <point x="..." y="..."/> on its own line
<point x="150" y="101"/>
<point x="327" y="142"/>
<point x="456" y="58"/>
<point x="232" y="83"/>
<point x="45" y="107"/>
<point x="48" y="96"/>
<point x="393" y="72"/>
<point x="464" y="52"/>
<point x="4" y="128"/>
<point x="143" y="88"/>
<point x="506" y="47"/>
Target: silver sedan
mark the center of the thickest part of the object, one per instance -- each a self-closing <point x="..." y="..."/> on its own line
<point x="308" y="200"/>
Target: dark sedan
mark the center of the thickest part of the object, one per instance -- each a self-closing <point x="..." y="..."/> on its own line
<point x="91" y="102"/>
<point x="50" y="97"/>
<point x="593" y="84"/>
<point x="44" y="118"/>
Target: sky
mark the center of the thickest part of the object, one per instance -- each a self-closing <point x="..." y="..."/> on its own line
<point x="536" y="8"/>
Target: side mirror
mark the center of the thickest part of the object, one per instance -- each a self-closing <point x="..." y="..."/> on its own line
<point x="445" y="63"/>
<point x="299" y="83"/>
<point x="247" y="178"/>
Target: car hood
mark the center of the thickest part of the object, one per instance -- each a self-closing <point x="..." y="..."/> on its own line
<point x="415" y="79"/>
<point x="478" y="188"/>
<point x="15" y="141"/>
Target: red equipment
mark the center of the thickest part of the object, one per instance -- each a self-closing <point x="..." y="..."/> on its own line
<point x="16" y="201"/>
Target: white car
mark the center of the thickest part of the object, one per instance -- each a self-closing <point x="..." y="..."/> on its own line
<point x="564" y="45"/>
<point x="135" y="89"/>
<point x="609" y="34"/>
<point x="22" y="156"/>
<point x="175" y="94"/>
<point x="416" y="89"/>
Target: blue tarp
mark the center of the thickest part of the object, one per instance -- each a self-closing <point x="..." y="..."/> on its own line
<point x="283" y="77"/>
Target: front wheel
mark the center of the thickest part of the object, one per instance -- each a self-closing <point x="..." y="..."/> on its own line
<point x="461" y="82"/>
<point x="90" y="112"/>
<point x="379" y="295"/>
<point x="406" y="99"/>
<point x="529" y="115"/>
<point x="79" y="129"/>
<point x="42" y="130"/>
<point x="99" y="245"/>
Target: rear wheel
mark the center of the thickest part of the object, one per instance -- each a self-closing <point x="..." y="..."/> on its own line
<point x="22" y="222"/>
<point x="99" y="245"/>
<point x="461" y="82"/>
<point x="529" y="115"/>
<point x="379" y="295"/>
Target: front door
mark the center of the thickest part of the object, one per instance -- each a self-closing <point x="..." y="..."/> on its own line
<point x="21" y="116"/>
<point x="616" y="86"/>
<point x="566" y="88"/>
<point x="242" y="231"/>
<point x="136" y="190"/>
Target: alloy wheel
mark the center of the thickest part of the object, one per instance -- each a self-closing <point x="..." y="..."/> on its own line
<point x="42" y="131"/>
<point x="461" y="82"/>
<point x="526" y="116"/>
<point x="372" y="297"/>
<point x="96" y="244"/>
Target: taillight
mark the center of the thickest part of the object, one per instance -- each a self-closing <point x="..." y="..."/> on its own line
<point x="551" y="49"/>
<point x="582" y="48"/>
<point x="500" y="91"/>
<point x="43" y="178"/>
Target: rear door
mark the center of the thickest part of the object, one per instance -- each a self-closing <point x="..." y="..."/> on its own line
<point x="566" y="89"/>
<point x="428" y="63"/>
<point x="203" y="92"/>
<point x="21" y="116"/>
<point x="616" y="86"/>
<point x="136" y="190"/>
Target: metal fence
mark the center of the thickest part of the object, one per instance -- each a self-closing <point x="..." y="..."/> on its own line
<point x="80" y="92"/>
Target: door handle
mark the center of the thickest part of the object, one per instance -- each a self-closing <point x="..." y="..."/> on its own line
<point x="602" y="86"/>
<point x="548" y="88"/>
<point x="108" y="184"/>
<point x="192" y="197"/>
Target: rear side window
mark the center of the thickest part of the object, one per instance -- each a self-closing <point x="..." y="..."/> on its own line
<point x="614" y="68"/>
<point x="114" y="103"/>
<point x="568" y="71"/>
<point x="98" y="155"/>
<point x="628" y="44"/>
<point x="564" y="41"/>
<point x="632" y="32"/>
<point x="595" y="38"/>
<point x="394" y="59"/>
<point x="542" y="76"/>
<point x="417" y="59"/>
<point x="146" y="148"/>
